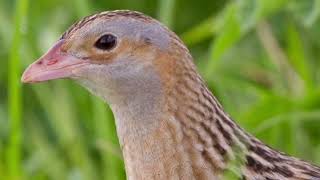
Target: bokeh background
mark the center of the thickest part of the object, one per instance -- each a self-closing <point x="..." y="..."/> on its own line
<point x="261" y="58"/>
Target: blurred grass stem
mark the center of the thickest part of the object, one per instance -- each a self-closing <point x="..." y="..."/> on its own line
<point x="166" y="12"/>
<point x="14" y="97"/>
<point x="277" y="56"/>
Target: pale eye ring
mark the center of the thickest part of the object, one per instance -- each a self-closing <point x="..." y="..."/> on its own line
<point x="106" y="42"/>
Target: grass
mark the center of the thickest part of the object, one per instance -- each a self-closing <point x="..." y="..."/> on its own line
<point x="14" y="98"/>
<point x="166" y="10"/>
<point x="260" y="58"/>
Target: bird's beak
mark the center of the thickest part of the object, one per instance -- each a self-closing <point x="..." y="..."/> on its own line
<point x="55" y="64"/>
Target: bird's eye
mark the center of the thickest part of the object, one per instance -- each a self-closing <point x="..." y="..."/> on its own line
<point x="106" y="42"/>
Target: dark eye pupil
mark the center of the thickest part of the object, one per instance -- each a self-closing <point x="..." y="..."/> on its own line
<point x="106" y="42"/>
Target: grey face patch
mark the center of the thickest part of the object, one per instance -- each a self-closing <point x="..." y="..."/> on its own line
<point x="126" y="86"/>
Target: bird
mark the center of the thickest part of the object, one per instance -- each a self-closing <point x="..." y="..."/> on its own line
<point x="169" y="124"/>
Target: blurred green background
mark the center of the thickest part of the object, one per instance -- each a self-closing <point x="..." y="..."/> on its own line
<point x="259" y="57"/>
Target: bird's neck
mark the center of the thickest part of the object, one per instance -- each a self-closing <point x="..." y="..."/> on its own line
<point x="142" y="128"/>
<point x="180" y="132"/>
<point x="146" y="138"/>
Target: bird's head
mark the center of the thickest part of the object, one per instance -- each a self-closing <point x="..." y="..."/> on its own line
<point x="110" y="53"/>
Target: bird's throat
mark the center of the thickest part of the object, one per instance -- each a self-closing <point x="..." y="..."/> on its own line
<point x="146" y="139"/>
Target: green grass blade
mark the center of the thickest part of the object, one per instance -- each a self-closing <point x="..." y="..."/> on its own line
<point x="230" y="33"/>
<point x="5" y="33"/>
<point x="314" y="14"/>
<point x="201" y="32"/>
<point x="14" y="98"/>
<point x="276" y="120"/>
<point x="166" y="12"/>
<point x="296" y="55"/>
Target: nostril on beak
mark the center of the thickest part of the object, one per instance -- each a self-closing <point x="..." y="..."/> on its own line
<point x="48" y="63"/>
<point x="51" y="62"/>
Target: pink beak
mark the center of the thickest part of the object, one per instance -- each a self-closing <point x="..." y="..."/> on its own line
<point x="55" y="64"/>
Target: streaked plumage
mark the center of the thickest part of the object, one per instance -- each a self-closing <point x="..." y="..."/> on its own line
<point x="169" y="124"/>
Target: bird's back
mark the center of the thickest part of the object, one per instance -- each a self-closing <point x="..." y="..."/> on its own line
<point x="218" y="142"/>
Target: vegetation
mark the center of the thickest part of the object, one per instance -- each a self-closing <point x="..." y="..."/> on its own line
<point x="259" y="57"/>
